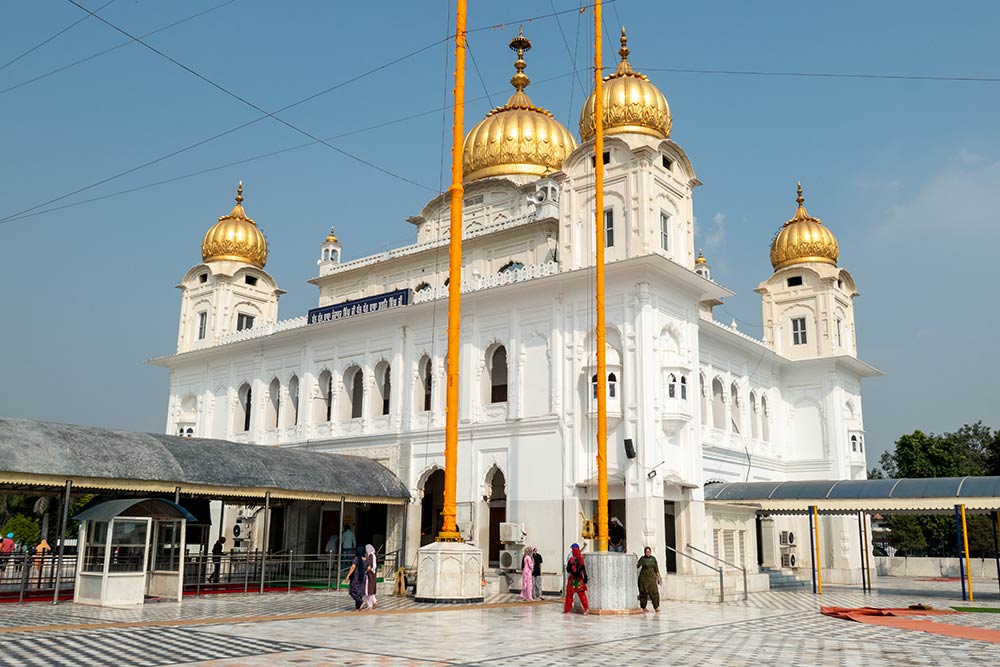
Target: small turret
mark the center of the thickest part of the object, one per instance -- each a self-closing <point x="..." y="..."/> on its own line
<point x="330" y="254"/>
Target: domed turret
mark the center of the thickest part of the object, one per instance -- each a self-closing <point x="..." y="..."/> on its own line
<point x="517" y="138"/>
<point x="803" y="239"/>
<point x="235" y="237"/>
<point x="631" y="103"/>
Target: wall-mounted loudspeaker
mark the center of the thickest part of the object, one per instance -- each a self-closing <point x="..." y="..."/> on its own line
<point x="629" y="448"/>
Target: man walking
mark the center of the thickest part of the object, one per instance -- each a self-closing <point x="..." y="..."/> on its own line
<point x="216" y="560"/>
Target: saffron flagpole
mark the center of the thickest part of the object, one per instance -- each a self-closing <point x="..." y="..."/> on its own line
<point x="602" y="375"/>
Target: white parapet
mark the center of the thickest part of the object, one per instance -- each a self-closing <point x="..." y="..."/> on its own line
<point x="449" y="572"/>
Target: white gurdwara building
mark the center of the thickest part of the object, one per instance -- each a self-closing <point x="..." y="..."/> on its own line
<point x="690" y="400"/>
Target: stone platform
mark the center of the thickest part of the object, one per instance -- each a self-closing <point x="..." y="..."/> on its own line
<point x="614" y="583"/>
<point x="449" y="572"/>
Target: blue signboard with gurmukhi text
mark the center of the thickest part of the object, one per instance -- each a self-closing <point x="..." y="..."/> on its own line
<point x="369" y="304"/>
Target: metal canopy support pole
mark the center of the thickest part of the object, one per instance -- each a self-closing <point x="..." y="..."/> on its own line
<point x="812" y="550"/>
<point x="340" y="541"/>
<point x="177" y="495"/>
<point x="958" y="548"/>
<point x="819" y="564"/>
<point x="263" y="550"/>
<point x="996" y="543"/>
<point x="62" y="539"/>
<point x="867" y="563"/>
<point x="861" y="546"/>
<point x="222" y="518"/>
<point x="965" y="550"/>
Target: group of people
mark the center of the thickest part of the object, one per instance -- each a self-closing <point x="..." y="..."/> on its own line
<point x="576" y="580"/>
<point x="8" y="547"/>
<point x="531" y="574"/>
<point x="361" y="578"/>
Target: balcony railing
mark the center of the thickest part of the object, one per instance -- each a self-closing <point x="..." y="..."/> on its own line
<point x="495" y="280"/>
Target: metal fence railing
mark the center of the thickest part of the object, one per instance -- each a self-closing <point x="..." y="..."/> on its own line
<point x="32" y="576"/>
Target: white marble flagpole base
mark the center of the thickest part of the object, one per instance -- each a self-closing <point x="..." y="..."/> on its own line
<point x="449" y="572"/>
<point x="614" y="583"/>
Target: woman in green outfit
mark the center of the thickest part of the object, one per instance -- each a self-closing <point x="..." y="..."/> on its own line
<point x="649" y="580"/>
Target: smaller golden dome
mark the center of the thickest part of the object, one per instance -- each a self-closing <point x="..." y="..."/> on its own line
<point x="517" y="138"/>
<point x="235" y="237"/>
<point x="631" y="103"/>
<point x="803" y="239"/>
<point x="331" y="237"/>
<point x="700" y="259"/>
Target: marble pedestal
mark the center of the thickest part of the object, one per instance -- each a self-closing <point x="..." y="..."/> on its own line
<point x="449" y="572"/>
<point x="614" y="583"/>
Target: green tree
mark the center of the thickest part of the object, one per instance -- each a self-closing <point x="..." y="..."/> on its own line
<point x="26" y="529"/>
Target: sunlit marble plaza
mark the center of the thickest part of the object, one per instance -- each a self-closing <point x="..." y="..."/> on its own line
<point x="774" y="628"/>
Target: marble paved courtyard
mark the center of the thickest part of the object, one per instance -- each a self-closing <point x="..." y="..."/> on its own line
<point x="318" y="628"/>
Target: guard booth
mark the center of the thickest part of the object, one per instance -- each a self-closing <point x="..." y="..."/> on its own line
<point x="130" y="548"/>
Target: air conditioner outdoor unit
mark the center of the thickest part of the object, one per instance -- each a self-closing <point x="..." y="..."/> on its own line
<point x="511" y="533"/>
<point x="789" y="560"/>
<point x="510" y="559"/>
<point x="786" y="538"/>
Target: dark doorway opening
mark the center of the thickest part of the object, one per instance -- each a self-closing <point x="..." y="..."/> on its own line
<point x="276" y="531"/>
<point x="431" y="507"/>
<point x="369" y="525"/>
<point x="760" y="541"/>
<point x="670" y="535"/>
<point x="498" y="514"/>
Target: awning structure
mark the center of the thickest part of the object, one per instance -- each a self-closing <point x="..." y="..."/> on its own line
<point x="157" y="508"/>
<point x="933" y="495"/>
<point x="39" y="456"/>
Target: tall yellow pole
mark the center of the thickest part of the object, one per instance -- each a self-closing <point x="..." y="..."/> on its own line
<point x="602" y="375"/>
<point x="449" y="530"/>
<point x="968" y="563"/>
<point x="819" y="569"/>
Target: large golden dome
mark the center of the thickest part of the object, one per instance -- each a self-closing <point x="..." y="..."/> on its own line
<point x="631" y="103"/>
<point x="235" y="237"/>
<point x="517" y="138"/>
<point x="803" y="239"/>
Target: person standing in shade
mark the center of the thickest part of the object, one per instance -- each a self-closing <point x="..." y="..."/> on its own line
<point x="527" y="570"/>
<point x="576" y="583"/>
<point x="348" y="543"/>
<point x="371" y="574"/>
<point x="649" y="580"/>
<point x="355" y="579"/>
<point x="616" y="535"/>
<point x="216" y="560"/>
<point x="536" y="573"/>
<point x="6" y="550"/>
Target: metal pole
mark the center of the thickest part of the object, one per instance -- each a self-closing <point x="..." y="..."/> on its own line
<point x="246" y="573"/>
<point x="340" y="541"/>
<point x="861" y="546"/>
<point x="449" y="530"/>
<point x="996" y="544"/>
<point x="329" y="568"/>
<point x="290" y="554"/>
<point x="722" y="589"/>
<point x="200" y="560"/>
<point x="263" y="551"/>
<point x="62" y="540"/>
<point x="819" y="564"/>
<point x="867" y="563"/>
<point x="968" y="562"/>
<point x="222" y="518"/>
<point x="812" y="551"/>
<point x="958" y="548"/>
<point x="746" y="594"/>
<point x="177" y="495"/>
<point x="25" y="575"/>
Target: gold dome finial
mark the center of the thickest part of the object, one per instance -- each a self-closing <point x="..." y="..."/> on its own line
<point x="519" y="137"/>
<point x="331" y="237"/>
<point x="519" y="45"/>
<point x="700" y="259"/>
<point x="631" y="103"/>
<point x="235" y="237"/>
<point x="803" y="239"/>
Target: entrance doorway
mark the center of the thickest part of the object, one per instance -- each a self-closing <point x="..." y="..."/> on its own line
<point x="498" y="514"/>
<point x="431" y="507"/>
<point x="670" y="534"/>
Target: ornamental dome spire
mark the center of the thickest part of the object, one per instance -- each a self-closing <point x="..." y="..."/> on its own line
<point x="517" y="138"/>
<point x="631" y="103"/>
<point x="235" y="237"/>
<point x="803" y="239"/>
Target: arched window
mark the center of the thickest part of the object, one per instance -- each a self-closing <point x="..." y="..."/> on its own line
<point x="273" y="403"/>
<point x="511" y="266"/>
<point x="718" y="405"/>
<point x="684" y="388"/>
<point x="612" y="385"/>
<point x="765" y="430"/>
<point x="244" y="408"/>
<point x="854" y="443"/>
<point x="188" y="432"/>
<point x="383" y="386"/>
<point x="324" y="397"/>
<point x="754" y="417"/>
<point x="671" y="386"/>
<point x="703" y="392"/>
<point x="496" y="366"/>
<point x="421" y="287"/>
<point x="735" y="416"/>
<point x="425" y="384"/>
<point x="292" y="414"/>
<point x="357" y="393"/>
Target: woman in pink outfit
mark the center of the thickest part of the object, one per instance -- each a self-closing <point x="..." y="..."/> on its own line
<point x="527" y="569"/>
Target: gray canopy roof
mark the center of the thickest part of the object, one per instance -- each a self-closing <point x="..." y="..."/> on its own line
<point x="156" y="508"/>
<point x="928" y="495"/>
<point x="46" y="454"/>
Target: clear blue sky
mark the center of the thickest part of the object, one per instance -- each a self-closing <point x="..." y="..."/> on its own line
<point x="905" y="172"/>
